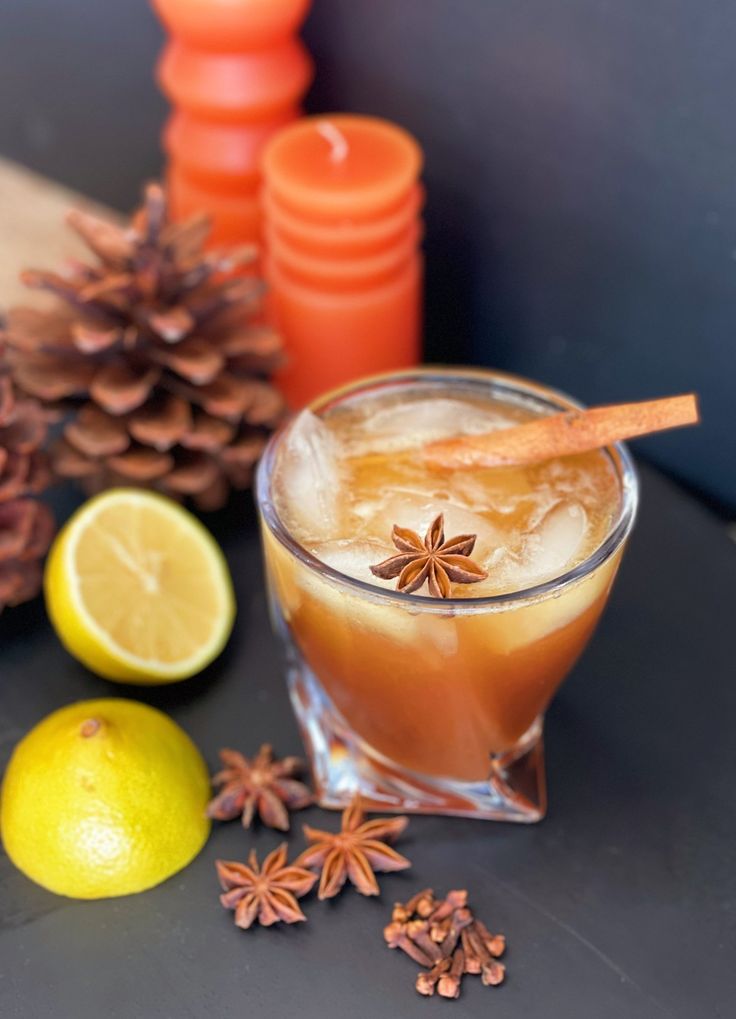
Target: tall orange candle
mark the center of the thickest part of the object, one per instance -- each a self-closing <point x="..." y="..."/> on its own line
<point x="341" y="204"/>
<point x="235" y="73"/>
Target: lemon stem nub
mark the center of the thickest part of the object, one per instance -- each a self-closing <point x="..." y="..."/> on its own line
<point x="90" y="727"/>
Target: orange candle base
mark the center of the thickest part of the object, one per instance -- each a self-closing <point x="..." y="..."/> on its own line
<point x="333" y="337"/>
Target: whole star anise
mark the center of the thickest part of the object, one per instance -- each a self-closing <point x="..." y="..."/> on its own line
<point x="267" y="894"/>
<point x="355" y="853"/>
<point x="435" y="560"/>
<point x="262" y="784"/>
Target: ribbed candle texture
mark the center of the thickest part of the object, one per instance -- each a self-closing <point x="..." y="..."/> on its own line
<point x="235" y="73"/>
<point x="341" y="204"/>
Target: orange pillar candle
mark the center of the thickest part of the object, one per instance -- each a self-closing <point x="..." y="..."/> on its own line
<point x="235" y="73"/>
<point x="341" y="205"/>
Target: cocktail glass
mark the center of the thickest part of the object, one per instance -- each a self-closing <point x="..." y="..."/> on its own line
<point x="432" y="705"/>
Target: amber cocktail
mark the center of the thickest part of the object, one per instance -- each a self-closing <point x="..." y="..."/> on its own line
<point x="422" y="703"/>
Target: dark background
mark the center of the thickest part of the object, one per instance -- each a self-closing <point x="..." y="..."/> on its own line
<point x="581" y="165"/>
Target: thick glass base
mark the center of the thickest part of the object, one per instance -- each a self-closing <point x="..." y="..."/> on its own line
<point x="343" y="765"/>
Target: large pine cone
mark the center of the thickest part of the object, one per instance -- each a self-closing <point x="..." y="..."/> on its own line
<point x="152" y="359"/>
<point x="26" y="525"/>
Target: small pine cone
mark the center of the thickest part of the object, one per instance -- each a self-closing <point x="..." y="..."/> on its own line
<point x="26" y="525"/>
<point x="153" y="358"/>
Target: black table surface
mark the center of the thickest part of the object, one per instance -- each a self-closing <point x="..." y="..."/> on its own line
<point x="621" y="904"/>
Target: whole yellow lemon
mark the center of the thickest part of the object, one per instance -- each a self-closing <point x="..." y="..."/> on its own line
<point x="104" y="797"/>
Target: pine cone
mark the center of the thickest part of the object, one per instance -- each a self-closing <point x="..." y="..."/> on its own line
<point x="26" y="525"/>
<point x="152" y="359"/>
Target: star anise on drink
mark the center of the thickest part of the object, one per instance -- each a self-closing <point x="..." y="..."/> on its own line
<point x="355" y="853"/>
<point x="435" y="560"/>
<point x="263" y="784"/>
<point x="448" y="940"/>
<point x="267" y="894"/>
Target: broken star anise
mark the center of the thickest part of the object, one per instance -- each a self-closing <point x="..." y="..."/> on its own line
<point x="262" y="784"/>
<point x="355" y="853"/>
<point x="435" y="560"/>
<point x="267" y="894"/>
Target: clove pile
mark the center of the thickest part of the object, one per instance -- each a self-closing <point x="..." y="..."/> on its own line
<point x="444" y="937"/>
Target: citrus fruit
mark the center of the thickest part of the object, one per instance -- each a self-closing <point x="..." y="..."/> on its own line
<point x="102" y="798"/>
<point x="138" y="590"/>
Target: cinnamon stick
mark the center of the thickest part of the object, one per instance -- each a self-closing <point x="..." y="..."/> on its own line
<point x="575" y="431"/>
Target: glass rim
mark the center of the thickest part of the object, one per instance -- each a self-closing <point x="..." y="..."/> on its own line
<point x="519" y="386"/>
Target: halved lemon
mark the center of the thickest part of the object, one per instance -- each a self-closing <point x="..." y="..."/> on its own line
<point x="138" y="590"/>
<point x="104" y="797"/>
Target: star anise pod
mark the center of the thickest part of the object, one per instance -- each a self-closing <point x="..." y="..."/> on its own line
<point x="267" y="894"/>
<point x="355" y="853"/>
<point x="435" y="560"/>
<point x="262" y="784"/>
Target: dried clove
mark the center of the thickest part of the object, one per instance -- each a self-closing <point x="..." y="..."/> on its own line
<point x="445" y="937"/>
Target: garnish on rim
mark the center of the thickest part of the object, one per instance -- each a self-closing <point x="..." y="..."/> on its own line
<point x="575" y="431"/>
<point x="435" y="560"/>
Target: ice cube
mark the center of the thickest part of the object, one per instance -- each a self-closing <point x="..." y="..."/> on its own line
<point x="570" y="478"/>
<point x="354" y="558"/>
<point x="554" y="545"/>
<point x="349" y="610"/>
<point x="311" y="478"/>
<point x="496" y="491"/>
<point x="497" y="565"/>
<point x="412" y="423"/>
<point x="435" y="633"/>
<point x="524" y="624"/>
<point x="558" y="543"/>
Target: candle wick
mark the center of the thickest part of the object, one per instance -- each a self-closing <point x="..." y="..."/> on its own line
<point x="337" y="141"/>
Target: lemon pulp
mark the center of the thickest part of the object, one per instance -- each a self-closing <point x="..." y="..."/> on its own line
<point x="138" y="589"/>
